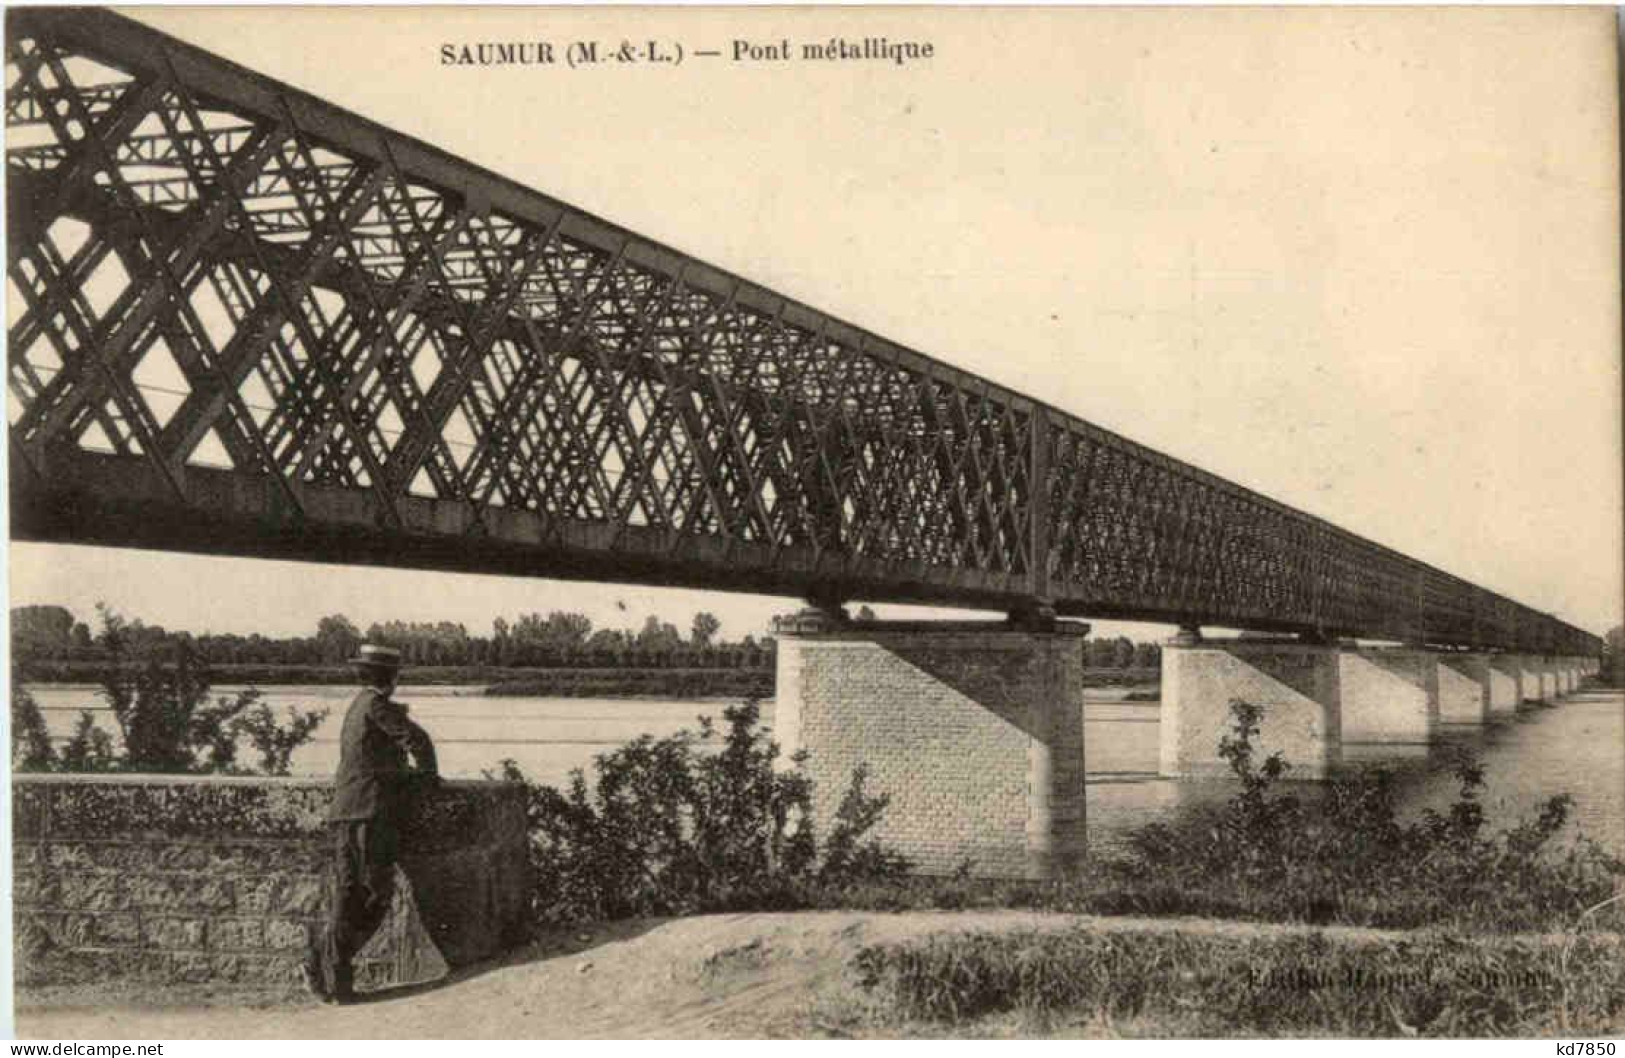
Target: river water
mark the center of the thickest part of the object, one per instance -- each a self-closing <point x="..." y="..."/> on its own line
<point x="1577" y="747"/>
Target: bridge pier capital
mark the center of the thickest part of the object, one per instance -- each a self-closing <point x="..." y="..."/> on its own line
<point x="825" y="612"/>
<point x="1034" y="615"/>
<point x="810" y="620"/>
<point x="1189" y="635"/>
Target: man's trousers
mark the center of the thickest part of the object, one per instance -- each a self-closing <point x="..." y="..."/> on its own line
<point x="361" y="885"/>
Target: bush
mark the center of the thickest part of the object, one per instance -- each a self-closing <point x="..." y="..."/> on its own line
<point x="1352" y="859"/>
<point x="30" y="742"/>
<point x="669" y="828"/>
<point x="166" y="717"/>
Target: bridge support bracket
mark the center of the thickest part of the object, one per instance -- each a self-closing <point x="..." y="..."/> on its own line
<point x="1034" y="615"/>
<point x="1189" y="635"/>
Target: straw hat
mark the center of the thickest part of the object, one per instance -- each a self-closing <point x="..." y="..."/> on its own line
<point x="373" y="656"/>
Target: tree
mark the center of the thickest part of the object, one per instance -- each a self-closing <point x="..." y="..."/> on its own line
<point x="558" y="630"/>
<point x="167" y="719"/>
<point x="569" y="630"/>
<point x="30" y="741"/>
<point x="40" y="629"/>
<point x="337" y="638"/>
<point x="609" y="640"/>
<point x="865" y="614"/>
<point x="704" y="629"/>
<point x="659" y="635"/>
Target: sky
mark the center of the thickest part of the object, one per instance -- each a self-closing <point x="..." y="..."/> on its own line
<point x="1363" y="261"/>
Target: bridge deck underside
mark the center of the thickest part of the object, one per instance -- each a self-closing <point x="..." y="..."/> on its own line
<point x="245" y="321"/>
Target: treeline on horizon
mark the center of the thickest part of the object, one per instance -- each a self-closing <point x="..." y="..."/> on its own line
<point x="558" y="639"/>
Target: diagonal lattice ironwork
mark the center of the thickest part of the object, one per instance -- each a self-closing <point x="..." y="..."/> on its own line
<point x="244" y="320"/>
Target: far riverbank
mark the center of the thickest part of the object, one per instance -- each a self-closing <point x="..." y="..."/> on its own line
<point x="496" y="680"/>
<point x="526" y="682"/>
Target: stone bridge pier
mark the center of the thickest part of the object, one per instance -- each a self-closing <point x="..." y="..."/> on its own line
<point x="1529" y="672"/>
<point x="1466" y="689"/>
<point x="1296" y="684"/>
<point x="1390" y="699"/>
<point x="1329" y="705"/>
<point x="1506" y="687"/>
<point x="973" y="729"/>
<point x="1546" y="674"/>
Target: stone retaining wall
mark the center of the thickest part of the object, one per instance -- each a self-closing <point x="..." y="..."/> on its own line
<point x="205" y="878"/>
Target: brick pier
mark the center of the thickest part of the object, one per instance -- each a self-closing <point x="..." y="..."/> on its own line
<point x="974" y="730"/>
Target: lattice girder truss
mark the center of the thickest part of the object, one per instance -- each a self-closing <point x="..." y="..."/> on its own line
<point x="244" y="320"/>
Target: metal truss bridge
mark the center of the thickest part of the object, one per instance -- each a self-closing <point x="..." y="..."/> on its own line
<point x="246" y="321"/>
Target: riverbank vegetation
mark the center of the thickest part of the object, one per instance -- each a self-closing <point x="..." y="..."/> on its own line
<point x="1190" y="983"/>
<point x="52" y="640"/>
<point x="168" y="720"/>
<point x="1328" y="914"/>
<point x="667" y="683"/>
<point x="637" y="683"/>
<point x="556" y="654"/>
<point x="1343" y="856"/>
<point x="694" y="822"/>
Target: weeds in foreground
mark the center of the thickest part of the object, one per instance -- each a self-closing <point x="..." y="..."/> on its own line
<point x="1350" y="857"/>
<point x="1218" y="985"/>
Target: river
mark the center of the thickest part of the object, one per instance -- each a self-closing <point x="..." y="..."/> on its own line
<point x="1577" y="747"/>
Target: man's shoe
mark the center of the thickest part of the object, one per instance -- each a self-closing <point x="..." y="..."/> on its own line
<point x="343" y="991"/>
<point x="313" y="983"/>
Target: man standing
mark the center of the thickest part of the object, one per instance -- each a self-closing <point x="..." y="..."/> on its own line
<point x="369" y="798"/>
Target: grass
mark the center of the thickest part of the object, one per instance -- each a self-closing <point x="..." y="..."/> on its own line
<point x="1190" y="984"/>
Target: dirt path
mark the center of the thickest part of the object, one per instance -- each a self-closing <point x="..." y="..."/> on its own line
<point x="740" y="976"/>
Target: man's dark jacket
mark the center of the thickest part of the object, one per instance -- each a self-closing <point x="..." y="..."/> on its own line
<point x="372" y="777"/>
